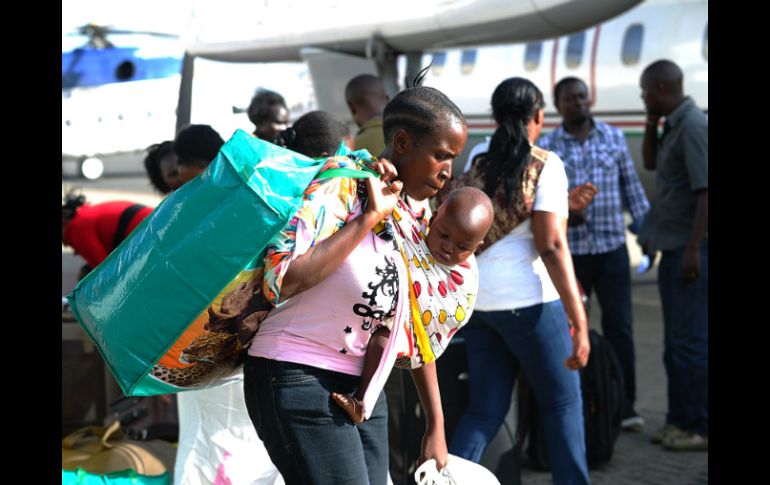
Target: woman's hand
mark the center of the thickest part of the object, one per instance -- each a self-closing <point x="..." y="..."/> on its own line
<point x="386" y="169"/>
<point x="434" y="446"/>
<point x="581" y="348"/>
<point x="383" y="196"/>
<point x="433" y="442"/>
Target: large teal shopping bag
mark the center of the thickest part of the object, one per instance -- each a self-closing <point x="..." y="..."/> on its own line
<point x="166" y="307"/>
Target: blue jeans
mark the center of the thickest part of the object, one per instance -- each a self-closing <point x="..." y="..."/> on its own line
<point x="686" y="341"/>
<point x="308" y="436"/>
<point x="610" y="274"/>
<point x="537" y="339"/>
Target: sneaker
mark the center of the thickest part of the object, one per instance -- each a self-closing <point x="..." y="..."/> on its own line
<point x="664" y="432"/>
<point x="632" y="422"/>
<point x="686" y="441"/>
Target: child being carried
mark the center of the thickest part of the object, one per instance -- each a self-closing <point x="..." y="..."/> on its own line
<point x="457" y="229"/>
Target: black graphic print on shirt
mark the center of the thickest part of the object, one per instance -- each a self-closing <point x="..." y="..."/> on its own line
<point x="383" y="294"/>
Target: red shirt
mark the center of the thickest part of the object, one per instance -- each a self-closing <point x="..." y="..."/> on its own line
<point x="92" y="230"/>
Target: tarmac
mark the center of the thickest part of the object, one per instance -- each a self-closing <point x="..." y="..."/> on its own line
<point x="636" y="460"/>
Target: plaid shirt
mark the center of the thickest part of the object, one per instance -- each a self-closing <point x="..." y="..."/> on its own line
<point x="603" y="160"/>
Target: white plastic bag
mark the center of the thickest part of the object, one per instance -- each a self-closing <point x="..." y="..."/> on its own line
<point x="458" y="471"/>
<point x="218" y="444"/>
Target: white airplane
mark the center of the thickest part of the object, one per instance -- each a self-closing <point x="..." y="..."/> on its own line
<point x="609" y="55"/>
<point x="337" y="44"/>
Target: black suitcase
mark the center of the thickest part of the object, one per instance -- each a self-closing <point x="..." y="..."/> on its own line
<point x="406" y="423"/>
<point x="602" y="387"/>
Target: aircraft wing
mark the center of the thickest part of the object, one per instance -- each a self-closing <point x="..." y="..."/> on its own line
<point x="277" y="31"/>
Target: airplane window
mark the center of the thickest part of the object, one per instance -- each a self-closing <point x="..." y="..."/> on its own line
<point x="632" y="44"/>
<point x="706" y="43"/>
<point x="439" y="59"/>
<point x="575" y="49"/>
<point x="532" y="55"/>
<point x="468" y="61"/>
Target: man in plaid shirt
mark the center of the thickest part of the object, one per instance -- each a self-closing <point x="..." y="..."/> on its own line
<point x="596" y="157"/>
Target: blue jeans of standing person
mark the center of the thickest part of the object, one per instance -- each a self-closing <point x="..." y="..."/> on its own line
<point x="610" y="274"/>
<point x="537" y="339"/>
<point x="307" y="435"/>
<point x="686" y="341"/>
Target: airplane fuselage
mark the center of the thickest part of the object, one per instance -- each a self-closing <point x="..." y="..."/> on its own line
<point x="609" y="57"/>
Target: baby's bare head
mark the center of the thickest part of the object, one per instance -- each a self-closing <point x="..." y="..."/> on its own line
<point x="460" y="225"/>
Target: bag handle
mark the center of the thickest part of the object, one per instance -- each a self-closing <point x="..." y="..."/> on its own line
<point x="113" y="428"/>
<point x="72" y="439"/>
<point x="104" y="433"/>
<point x="365" y="172"/>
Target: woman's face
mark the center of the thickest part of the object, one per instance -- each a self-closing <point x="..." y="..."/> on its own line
<point x="424" y="167"/>
<point x="189" y="171"/>
<point x="278" y="121"/>
<point x="170" y="171"/>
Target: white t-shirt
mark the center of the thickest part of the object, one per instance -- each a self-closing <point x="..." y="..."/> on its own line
<point x="511" y="273"/>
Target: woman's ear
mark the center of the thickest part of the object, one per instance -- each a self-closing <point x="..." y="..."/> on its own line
<point x="402" y="141"/>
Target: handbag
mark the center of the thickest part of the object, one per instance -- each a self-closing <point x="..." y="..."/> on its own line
<point x="100" y="450"/>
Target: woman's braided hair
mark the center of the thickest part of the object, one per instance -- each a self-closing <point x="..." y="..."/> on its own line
<point x="419" y="110"/>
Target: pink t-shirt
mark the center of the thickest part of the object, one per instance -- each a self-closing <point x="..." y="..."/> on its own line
<point x="329" y="325"/>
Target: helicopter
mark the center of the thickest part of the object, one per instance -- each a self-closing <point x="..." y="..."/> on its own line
<point x="116" y="85"/>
